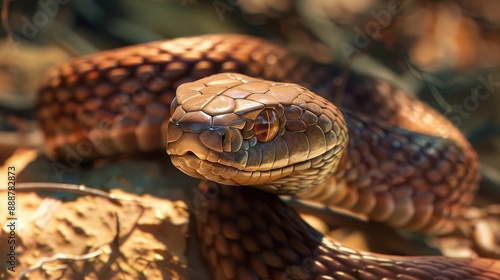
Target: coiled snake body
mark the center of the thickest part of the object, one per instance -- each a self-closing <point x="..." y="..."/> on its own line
<point x="386" y="156"/>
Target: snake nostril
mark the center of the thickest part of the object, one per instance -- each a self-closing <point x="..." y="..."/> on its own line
<point x="226" y="141"/>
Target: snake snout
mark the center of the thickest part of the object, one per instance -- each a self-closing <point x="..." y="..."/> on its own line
<point x="186" y="144"/>
<point x="222" y="139"/>
<point x="193" y="134"/>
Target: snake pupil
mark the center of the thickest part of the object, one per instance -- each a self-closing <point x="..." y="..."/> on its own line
<point x="266" y="126"/>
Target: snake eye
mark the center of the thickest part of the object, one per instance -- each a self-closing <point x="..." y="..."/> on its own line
<point x="266" y="126"/>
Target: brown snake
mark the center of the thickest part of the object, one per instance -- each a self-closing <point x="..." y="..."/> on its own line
<point x="386" y="156"/>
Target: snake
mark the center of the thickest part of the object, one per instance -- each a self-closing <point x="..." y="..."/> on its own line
<point x="255" y="121"/>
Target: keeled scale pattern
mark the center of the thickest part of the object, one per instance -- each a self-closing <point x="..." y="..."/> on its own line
<point x="404" y="179"/>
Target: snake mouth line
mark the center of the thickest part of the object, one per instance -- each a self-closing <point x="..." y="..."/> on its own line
<point x="216" y="162"/>
<point x="192" y="155"/>
<point x="212" y="169"/>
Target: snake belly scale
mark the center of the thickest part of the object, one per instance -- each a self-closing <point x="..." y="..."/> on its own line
<point x="380" y="157"/>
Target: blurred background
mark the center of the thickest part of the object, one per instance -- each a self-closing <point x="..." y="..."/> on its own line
<point x="445" y="52"/>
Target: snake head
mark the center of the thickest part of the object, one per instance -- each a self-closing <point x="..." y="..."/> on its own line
<point x="238" y="130"/>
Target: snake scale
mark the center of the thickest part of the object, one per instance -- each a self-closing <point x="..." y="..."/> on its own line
<point x="385" y="155"/>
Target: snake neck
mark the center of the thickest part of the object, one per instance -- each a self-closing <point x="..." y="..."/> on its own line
<point x="404" y="179"/>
